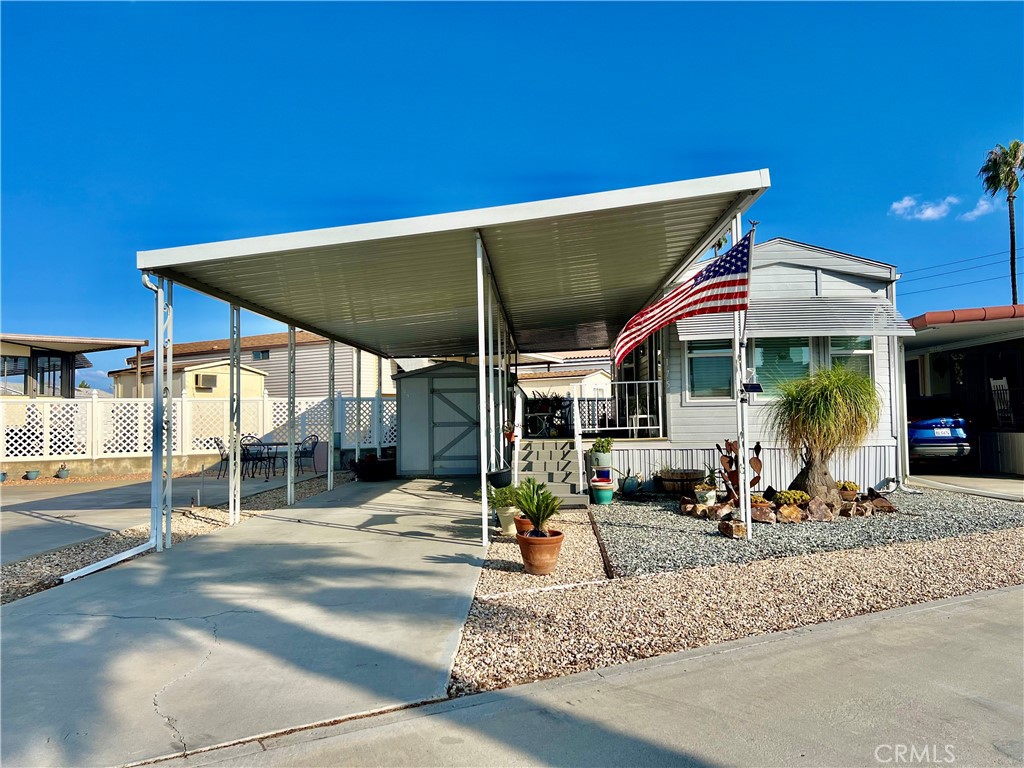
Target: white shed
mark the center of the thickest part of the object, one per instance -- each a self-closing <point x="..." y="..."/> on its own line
<point x="438" y="421"/>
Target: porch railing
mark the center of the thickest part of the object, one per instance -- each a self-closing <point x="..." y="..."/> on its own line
<point x="634" y="409"/>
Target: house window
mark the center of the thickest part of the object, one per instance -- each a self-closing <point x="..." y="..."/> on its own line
<point x="13" y="375"/>
<point x="781" y="360"/>
<point x="709" y="368"/>
<point x="854" y="352"/>
<point x="261" y="354"/>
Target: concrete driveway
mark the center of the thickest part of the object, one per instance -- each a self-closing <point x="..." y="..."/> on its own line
<point x="38" y="518"/>
<point x="347" y="602"/>
<point x="939" y="683"/>
<point x="1005" y="487"/>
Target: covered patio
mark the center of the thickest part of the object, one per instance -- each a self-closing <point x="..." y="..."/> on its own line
<point x="487" y="284"/>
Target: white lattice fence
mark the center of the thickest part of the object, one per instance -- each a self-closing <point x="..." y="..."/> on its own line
<point x="23" y="430"/>
<point x="207" y="419"/>
<point x="389" y="422"/>
<point x="125" y="426"/>
<point x="69" y="428"/>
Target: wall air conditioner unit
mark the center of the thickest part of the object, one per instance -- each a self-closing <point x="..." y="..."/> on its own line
<point x="206" y="381"/>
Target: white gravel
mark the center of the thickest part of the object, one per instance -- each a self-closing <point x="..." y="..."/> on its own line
<point x="650" y="537"/>
<point x="519" y="638"/>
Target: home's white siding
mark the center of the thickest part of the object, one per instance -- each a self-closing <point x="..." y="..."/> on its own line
<point x="781" y="270"/>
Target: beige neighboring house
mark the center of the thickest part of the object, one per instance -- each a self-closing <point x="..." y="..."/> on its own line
<point x="199" y="380"/>
<point x="268" y="353"/>
<point x="595" y="383"/>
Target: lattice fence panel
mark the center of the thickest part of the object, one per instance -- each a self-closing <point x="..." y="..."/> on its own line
<point x="69" y="427"/>
<point x="126" y="427"/>
<point x="208" y="420"/>
<point x="251" y="421"/>
<point x="388" y="422"/>
<point x="23" y="430"/>
<point x="352" y="413"/>
<point x="310" y="419"/>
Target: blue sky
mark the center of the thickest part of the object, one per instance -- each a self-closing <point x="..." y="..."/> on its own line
<point x="135" y="126"/>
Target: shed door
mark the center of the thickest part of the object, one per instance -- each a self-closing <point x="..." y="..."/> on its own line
<point x="455" y="427"/>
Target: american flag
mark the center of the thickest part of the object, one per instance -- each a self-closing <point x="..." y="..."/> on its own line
<point x="722" y="286"/>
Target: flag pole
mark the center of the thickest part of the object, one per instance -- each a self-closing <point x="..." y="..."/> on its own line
<point x="738" y="353"/>
<point x="745" y="404"/>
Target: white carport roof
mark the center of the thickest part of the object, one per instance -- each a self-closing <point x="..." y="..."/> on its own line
<point x="569" y="272"/>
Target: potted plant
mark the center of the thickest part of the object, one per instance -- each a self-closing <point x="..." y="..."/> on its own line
<point x="603" y="490"/>
<point x="706" y="493"/>
<point x="3" y="477"/>
<point x="63" y="472"/>
<point x="527" y="493"/>
<point x="629" y="483"/>
<point x="503" y="502"/>
<point x="831" y="411"/>
<point x="680" y="481"/>
<point x="509" y="430"/>
<point x="601" y="452"/>
<point x="848" y="490"/>
<point x="500" y="478"/>
<point x="540" y="545"/>
<point x="796" y="498"/>
<point x="31" y="474"/>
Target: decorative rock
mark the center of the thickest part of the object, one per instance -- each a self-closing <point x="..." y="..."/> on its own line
<point x="734" y="529"/>
<point x="685" y="508"/>
<point x="882" y="504"/>
<point x="789" y="513"/>
<point x="762" y="514"/>
<point x="865" y="510"/>
<point x="719" y="511"/>
<point x="848" y="509"/>
<point x="819" y="511"/>
<point x="701" y="511"/>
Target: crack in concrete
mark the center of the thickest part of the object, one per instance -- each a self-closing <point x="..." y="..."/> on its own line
<point x="171" y="721"/>
<point x="207" y="617"/>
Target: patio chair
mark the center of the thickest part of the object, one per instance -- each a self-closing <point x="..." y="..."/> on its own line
<point x="222" y="468"/>
<point x="307" y="451"/>
<point x="254" y="456"/>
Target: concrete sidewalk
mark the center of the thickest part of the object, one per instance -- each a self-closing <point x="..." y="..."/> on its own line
<point x="943" y="679"/>
<point x="1004" y="487"/>
<point x="39" y="518"/>
<point x="349" y="601"/>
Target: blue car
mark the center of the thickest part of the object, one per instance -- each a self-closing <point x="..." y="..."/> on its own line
<point x="943" y="438"/>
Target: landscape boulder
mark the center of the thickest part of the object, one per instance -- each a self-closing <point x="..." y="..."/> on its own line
<point x="819" y="511"/>
<point x="865" y="510"/>
<point x="883" y="505"/>
<point x="734" y="529"/>
<point x="789" y="513"/>
<point x="719" y="511"/>
<point x="848" y="509"/>
<point x="762" y="514"/>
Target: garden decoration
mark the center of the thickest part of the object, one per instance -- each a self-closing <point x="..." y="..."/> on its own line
<point x="831" y="411"/>
<point x="848" y="490"/>
<point x="730" y="473"/>
<point x="503" y="502"/>
<point x="62" y="472"/>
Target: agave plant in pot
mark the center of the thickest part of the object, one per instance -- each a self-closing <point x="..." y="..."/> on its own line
<point x="540" y="545"/>
<point x="525" y="497"/>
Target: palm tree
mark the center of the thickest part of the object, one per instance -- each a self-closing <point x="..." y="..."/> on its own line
<point x="998" y="174"/>
<point x="833" y="410"/>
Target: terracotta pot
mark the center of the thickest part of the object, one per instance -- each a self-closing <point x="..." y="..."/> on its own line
<point x="848" y="495"/>
<point x="540" y="553"/>
<point x="523" y="525"/>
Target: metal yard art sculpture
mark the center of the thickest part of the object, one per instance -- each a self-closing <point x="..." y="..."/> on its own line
<point x="730" y="474"/>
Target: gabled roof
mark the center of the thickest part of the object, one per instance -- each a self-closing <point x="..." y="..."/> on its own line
<point x="559" y="374"/>
<point x="79" y="344"/>
<point x="178" y="367"/>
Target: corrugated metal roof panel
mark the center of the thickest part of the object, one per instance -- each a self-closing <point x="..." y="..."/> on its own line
<point x="813" y="316"/>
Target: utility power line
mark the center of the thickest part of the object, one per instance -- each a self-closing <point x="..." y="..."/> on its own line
<point x="947" y="288"/>
<point x="997" y="262"/>
<point x="941" y="264"/>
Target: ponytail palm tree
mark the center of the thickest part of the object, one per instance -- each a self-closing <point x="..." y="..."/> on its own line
<point x="1000" y="173"/>
<point x="831" y="411"/>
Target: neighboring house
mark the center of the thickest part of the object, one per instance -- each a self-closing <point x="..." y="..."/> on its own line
<point x="970" y="363"/>
<point x="32" y="365"/>
<point x="588" y="383"/>
<point x="197" y="380"/>
<point x="268" y="353"/>
<point x="809" y="307"/>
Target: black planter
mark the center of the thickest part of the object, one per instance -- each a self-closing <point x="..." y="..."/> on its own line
<point x="373" y="470"/>
<point x="500" y="478"/>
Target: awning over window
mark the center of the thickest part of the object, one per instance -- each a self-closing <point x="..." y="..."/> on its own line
<point x="812" y="316"/>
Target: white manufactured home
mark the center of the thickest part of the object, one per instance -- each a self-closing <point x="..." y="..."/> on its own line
<point x="809" y="307"/>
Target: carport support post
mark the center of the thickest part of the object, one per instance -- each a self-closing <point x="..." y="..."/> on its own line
<point x="168" y="344"/>
<point x="378" y="405"/>
<point x="359" y="402"/>
<point x="481" y="386"/>
<point x="235" y="404"/>
<point x="490" y="374"/>
<point x="290" y="496"/>
<point x="330" y="415"/>
<point x="157" y="490"/>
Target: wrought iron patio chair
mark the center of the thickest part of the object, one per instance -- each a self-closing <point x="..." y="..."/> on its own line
<point x="307" y="451"/>
<point x="254" y="456"/>
<point x="222" y="468"/>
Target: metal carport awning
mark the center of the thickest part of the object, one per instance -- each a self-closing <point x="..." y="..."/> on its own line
<point x="568" y="272"/>
<point x="810" y="316"/>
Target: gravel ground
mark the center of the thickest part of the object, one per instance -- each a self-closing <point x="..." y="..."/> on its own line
<point x="73" y="478"/>
<point x="579" y="560"/>
<point x="34" y="574"/>
<point x="519" y="638"/>
<point x="651" y="537"/>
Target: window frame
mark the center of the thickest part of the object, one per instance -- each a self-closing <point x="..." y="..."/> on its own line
<point x="812" y="363"/>
<point x="690" y="397"/>
<point x="830" y="356"/>
<point x="263" y="354"/>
